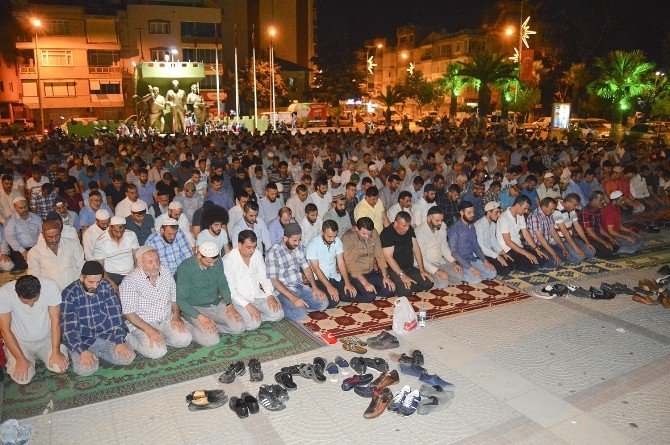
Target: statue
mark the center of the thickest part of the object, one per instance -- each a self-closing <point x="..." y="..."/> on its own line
<point x="196" y="103"/>
<point x="175" y="98"/>
<point x="157" y="108"/>
<point x="143" y="107"/>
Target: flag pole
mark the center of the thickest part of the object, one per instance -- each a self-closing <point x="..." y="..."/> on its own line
<point x="216" y="62"/>
<point x="237" y="85"/>
<point x="253" y="55"/>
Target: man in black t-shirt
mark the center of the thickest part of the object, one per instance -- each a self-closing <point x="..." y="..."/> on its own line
<point x="64" y="181"/>
<point x="116" y="192"/>
<point x="400" y="248"/>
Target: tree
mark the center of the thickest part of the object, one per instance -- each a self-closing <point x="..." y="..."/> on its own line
<point x="525" y="99"/>
<point x="393" y="96"/>
<point x="417" y="87"/>
<point x="487" y="68"/>
<point x="452" y="83"/>
<point x="337" y="77"/>
<point x="651" y="102"/>
<point x="624" y="76"/>
<point x="263" y="83"/>
<point x="575" y="78"/>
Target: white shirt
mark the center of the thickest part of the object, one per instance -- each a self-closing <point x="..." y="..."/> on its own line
<point x="323" y="204"/>
<point x="507" y="223"/>
<point x="88" y="239"/>
<point x="244" y="281"/>
<point x="420" y="212"/>
<point x="638" y="187"/>
<point x="486" y="237"/>
<point x="297" y="207"/>
<point x="434" y="247"/>
<point x="63" y="268"/>
<point x="184" y="225"/>
<point x="30" y="323"/>
<point x="36" y="186"/>
<point x="395" y="209"/>
<point x="118" y="258"/>
<point x="123" y="208"/>
<point x="310" y="230"/>
<point x="220" y="240"/>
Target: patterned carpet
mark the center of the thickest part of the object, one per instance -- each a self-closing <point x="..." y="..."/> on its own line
<point x="49" y="391"/>
<point x="363" y="318"/>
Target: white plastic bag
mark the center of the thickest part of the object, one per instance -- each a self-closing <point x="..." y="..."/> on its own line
<point x="404" y="317"/>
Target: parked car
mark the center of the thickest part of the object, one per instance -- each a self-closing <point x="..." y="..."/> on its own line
<point x="542" y="123"/>
<point x="649" y="132"/>
<point x="603" y="122"/>
<point x="590" y="130"/>
<point x="345" y="119"/>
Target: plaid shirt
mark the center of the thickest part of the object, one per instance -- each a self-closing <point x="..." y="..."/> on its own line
<point x="171" y="254"/>
<point x="43" y="204"/>
<point x="152" y="304"/>
<point x="590" y="218"/>
<point x="539" y="222"/>
<point x="451" y="212"/>
<point x="286" y="265"/>
<point x="87" y="317"/>
<point x="489" y="196"/>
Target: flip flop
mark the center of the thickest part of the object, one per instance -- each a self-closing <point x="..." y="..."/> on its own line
<point x="312" y="372"/>
<point x="286" y="380"/>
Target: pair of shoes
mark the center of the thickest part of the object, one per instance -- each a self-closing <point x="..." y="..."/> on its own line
<point x="645" y="298"/>
<point x="233" y="370"/>
<point x="422" y="374"/>
<point x="384" y="340"/>
<point x="206" y="399"/>
<point x="414" y="357"/>
<point x="433" y="398"/>
<point x="601" y="293"/>
<point x="361" y="364"/>
<point x="272" y="397"/>
<point x="622" y="289"/>
<point x="244" y="405"/>
<point x="577" y="291"/>
<point x="380" y="400"/>
<point x="406" y="401"/>
<point x="356" y="380"/>
<point x="354" y="344"/>
<point x="311" y="371"/>
<point x="286" y="380"/>
<point x="385" y="379"/>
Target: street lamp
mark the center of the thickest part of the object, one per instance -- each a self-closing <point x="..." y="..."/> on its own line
<point x="173" y="51"/>
<point x="379" y="45"/>
<point x="404" y="55"/>
<point x="272" y="32"/>
<point x="37" y="23"/>
<point x="509" y="31"/>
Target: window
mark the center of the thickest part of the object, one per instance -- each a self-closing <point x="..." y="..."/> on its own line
<point x="159" y="54"/>
<point x="159" y="27"/>
<point x="104" y="87"/>
<point x="56" y="57"/>
<point x="200" y="29"/>
<point x="198" y="55"/>
<point x="59" y="89"/>
<point x="2" y="86"/>
<point x="477" y="47"/>
<point x="59" y="28"/>
<point x="209" y="82"/>
<point x="98" y="57"/>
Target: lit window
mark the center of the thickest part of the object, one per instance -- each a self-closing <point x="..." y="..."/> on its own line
<point x="159" y="27"/>
<point x="103" y="87"/>
<point x="59" y="27"/>
<point x="53" y="57"/>
<point x="159" y="54"/>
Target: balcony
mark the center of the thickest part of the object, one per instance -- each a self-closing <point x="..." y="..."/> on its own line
<point x="26" y="69"/>
<point x="104" y="69"/>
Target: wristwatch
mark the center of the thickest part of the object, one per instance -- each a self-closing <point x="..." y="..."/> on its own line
<point x="401" y="274"/>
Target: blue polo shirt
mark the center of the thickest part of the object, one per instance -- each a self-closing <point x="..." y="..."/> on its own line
<point x="326" y="255"/>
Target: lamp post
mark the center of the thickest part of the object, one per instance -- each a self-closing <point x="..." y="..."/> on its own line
<point x="173" y="51"/>
<point x="521" y="30"/>
<point x="37" y="23"/>
<point x="272" y="32"/>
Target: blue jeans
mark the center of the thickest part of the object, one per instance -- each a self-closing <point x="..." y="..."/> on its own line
<point x="103" y="350"/>
<point x="626" y="246"/>
<point x="574" y="257"/>
<point x="300" y="313"/>
<point x="487" y="274"/>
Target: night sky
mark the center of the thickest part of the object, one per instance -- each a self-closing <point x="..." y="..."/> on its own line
<point x="583" y="29"/>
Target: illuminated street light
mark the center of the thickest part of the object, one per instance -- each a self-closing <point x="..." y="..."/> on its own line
<point x="404" y="55"/>
<point x="36" y="22"/>
<point x="379" y="46"/>
<point x="272" y="31"/>
<point x="509" y="31"/>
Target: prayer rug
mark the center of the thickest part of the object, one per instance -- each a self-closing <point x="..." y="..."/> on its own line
<point x="364" y="318"/>
<point x="52" y="392"/>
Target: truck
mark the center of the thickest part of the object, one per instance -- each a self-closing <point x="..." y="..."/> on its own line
<point x="310" y="114"/>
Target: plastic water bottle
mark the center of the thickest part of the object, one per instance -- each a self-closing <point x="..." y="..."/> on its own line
<point x="422" y="316"/>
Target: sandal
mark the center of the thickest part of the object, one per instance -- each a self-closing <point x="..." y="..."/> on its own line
<point x="376" y="363"/>
<point x="358" y="364"/>
<point x="233" y="370"/>
<point x="286" y="380"/>
<point x="206" y="399"/>
<point x="238" y="406"/>
<point x="312" y="372"/>
<point x="354" y="348"/>
<point x="267" y="399"/>
<point x="279" y="392"/>
<point x="251" y="402"/>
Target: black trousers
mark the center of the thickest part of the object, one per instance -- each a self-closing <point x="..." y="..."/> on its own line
<point x="421" y="284"/>
<point x="17" y="259"/>
<point x="344" y="296"/>
<point x="375" y="278"/>
<point x="523" y="264"/>
<point x="500" y="269"/>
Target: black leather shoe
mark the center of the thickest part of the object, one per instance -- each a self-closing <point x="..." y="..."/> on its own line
<point x="251" y="402"/>
<point x="238" y="406"/>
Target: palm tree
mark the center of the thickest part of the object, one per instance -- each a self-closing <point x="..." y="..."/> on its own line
<point x="576" y="78"/>
<point x="453" y="82"/>
<point x="487" y="69"/>
<point x="624" y="76"/>
<point x="393" y="96"/>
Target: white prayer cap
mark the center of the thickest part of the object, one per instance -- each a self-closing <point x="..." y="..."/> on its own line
<point x="117" y="221"/>
<point x="208" y="249"/>
<point x="102" y="215"/>
<point x="174" y="205"/>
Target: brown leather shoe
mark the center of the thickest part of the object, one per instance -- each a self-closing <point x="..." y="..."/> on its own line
<point x="644" y="299"/>
<point x="386" y="379"/>
<point x="666" y="302"/>
<point x="380" y="400"/>
<point x="649" y="284"/>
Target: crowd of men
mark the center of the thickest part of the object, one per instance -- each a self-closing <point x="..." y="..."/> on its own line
<point x="124" y="240"/>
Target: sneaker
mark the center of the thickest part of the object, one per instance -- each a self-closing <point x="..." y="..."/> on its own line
<point x="413" y="370"/>
<point x="435" y="380"/>
<point x="410" y="403"/>
<point x="397" y="401"/>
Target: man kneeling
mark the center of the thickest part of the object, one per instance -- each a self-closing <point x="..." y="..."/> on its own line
<point x="245" y="271"/>
<point x="149" y="300"/>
